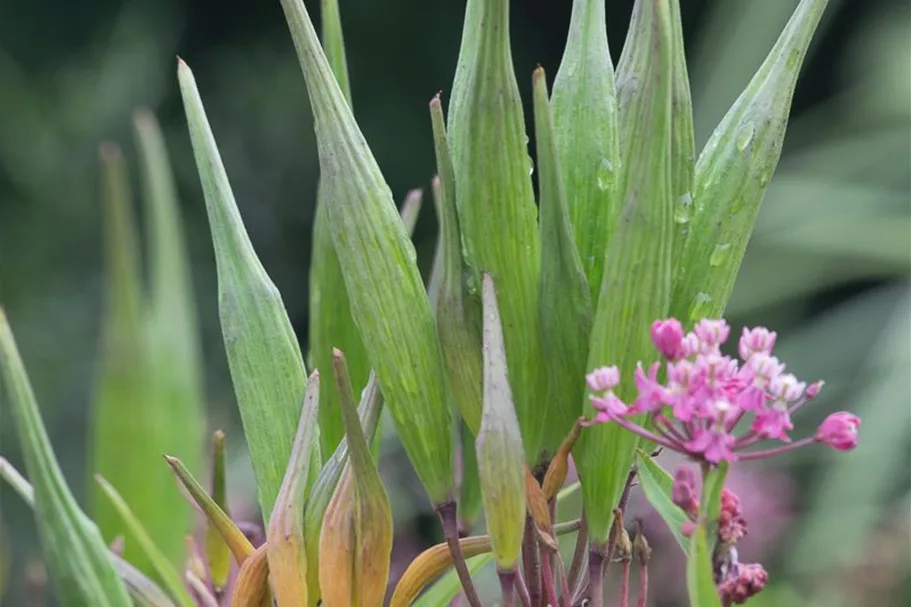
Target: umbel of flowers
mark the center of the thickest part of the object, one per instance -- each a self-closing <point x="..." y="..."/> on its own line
<point x="527" y="299"/>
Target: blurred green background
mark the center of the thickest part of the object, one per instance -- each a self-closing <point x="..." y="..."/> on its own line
<point x="828" y="266"/>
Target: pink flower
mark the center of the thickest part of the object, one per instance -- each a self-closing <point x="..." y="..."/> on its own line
<point x="713" y="443"/>
<point x="758" y="374"/>
<point x="756" y="340"/>
<point x="652" y="395"/>
<point x="839" y="431"/>
<point x="773" y="422"/>
<point x="712" y="333"/>
<point x="608" y="406"/>
<point x="680" y="378"/>
<point x="667" y="335"/>
<point x="603" y="378"/>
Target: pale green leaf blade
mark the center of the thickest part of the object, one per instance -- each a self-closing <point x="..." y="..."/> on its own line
<point x="377" y="261"/>
<point x="174" y="349"/>
<point x="80" y="566"/>
<point x="564" y="300"/>
<point x="636" y="286"/>
<point x="263" y="353"/>
<point x="733" y="171"/>
<point x="656" y="484"/>
<point x="584" y="104"/>
<point x="218" y="555"/>
<point x="165" y="572"/>
<point x="700" y="582"/>
<point x="495" y="201"/>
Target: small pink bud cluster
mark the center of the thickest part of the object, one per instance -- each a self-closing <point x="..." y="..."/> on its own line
<point x="742" y="583"/>
<point x="707" y="394"/>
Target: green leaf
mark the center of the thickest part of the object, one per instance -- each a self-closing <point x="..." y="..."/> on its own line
<point x="700" y="581"/>
<point x="496" y="206"/>
<point x="458" y="314"/>
<point x="470" y="502"/>
<point x="444" y="590"/>
<point x="564" y="301"/>
<point x="733" y="171"/>
<point x="501" y="461"/>
<point x="218" y="556"/>
<point x="322" y="489"/>
<point x="584" y="104"/>
<point x="263" y="353"/>
<point x="636" y="284"/>
<point x="657" y="485"/>
<point x="377" y="261"/>
<point x="165" y="572"/>
<point x="683" y="143"/>
<point x="286" y="551"/>
<point x="127" y="430"/>
<point x="78" y="561"/>
<point x="144" y="591"/>
<point x="174" y="353"/>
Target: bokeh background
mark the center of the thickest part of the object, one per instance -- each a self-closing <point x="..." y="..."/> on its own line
<point x="828" y="266"/>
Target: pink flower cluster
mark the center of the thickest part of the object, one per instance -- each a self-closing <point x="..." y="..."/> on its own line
<point x="706" y="395"/>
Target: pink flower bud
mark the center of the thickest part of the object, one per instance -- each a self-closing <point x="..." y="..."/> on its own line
<point x="683" y="491"/>
<point x="839" y="431"/>
<point x="667" y="335"/>
<point x="814" y="389"/>
<point x="748" y="580"/>
<point x="712" y="333"/>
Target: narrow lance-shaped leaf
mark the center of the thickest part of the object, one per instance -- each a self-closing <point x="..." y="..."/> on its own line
<point x="501" y="463"/>
<point x="237" y="542"/>
<point x="564" y="300"/>
<point x="683" y="144"/>
<point x="356" y="538"/>
<point x="175" y="353"/>
<point x="636" y="284"/>
<point x="144" y="592"/>
<point x="733" y="171"/>
<point x="377" y="260"/>
<point x="127" y="429"/>
<point x="496" y="206"/>
<point x="322" y="489"/>
<point x="331" y="323"/>
<point x="78" y="561"/>
<point x="470" y="502"/>
<point x="263" y="354"/>
<point x="165" y="572"/>
<point x="586" y="133"/>
<point x="700" y="582"/>
<point x="218" y="555"/>
<point x="458" y="314"/>
<point x="656" y="484"/>
<point x="285" y="535"/>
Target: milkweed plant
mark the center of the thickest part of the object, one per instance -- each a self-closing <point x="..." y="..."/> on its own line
<point x="576" y="325"/>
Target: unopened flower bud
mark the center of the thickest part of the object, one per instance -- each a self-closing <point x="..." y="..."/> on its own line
<point x="839" y="431"/>
<point x="731" y="524"/>
<point x="667" y="335"/>
<point x="624" y="548"/>
<point x="814" y="389"/>
<point x="683" y="492"/>
<point x="641" y="550"/>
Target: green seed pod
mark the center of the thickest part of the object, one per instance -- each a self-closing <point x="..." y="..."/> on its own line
<point x="585" y="129"/>
<point x="497" y="212"/>
<point x="501" y="462"/>
<point x="636" y="285"/>
<point x="263" y="354"/>
<point x="733" y="171"/>
<point x="377" y="259"/>
<point x="564" y="301"/>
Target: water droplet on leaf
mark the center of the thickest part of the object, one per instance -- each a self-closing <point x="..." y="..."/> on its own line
<point x="683" y="208"/>
<point x="745" y="137"/>
<point x="605" y="177"/>
<point x="719" y="254"/>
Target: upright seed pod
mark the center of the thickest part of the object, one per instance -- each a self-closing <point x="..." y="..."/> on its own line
<point x="636" y="285"/>
<point x="497" y="213"/>
<point x="377" y="261"/>
<point x="733" y="171"/>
